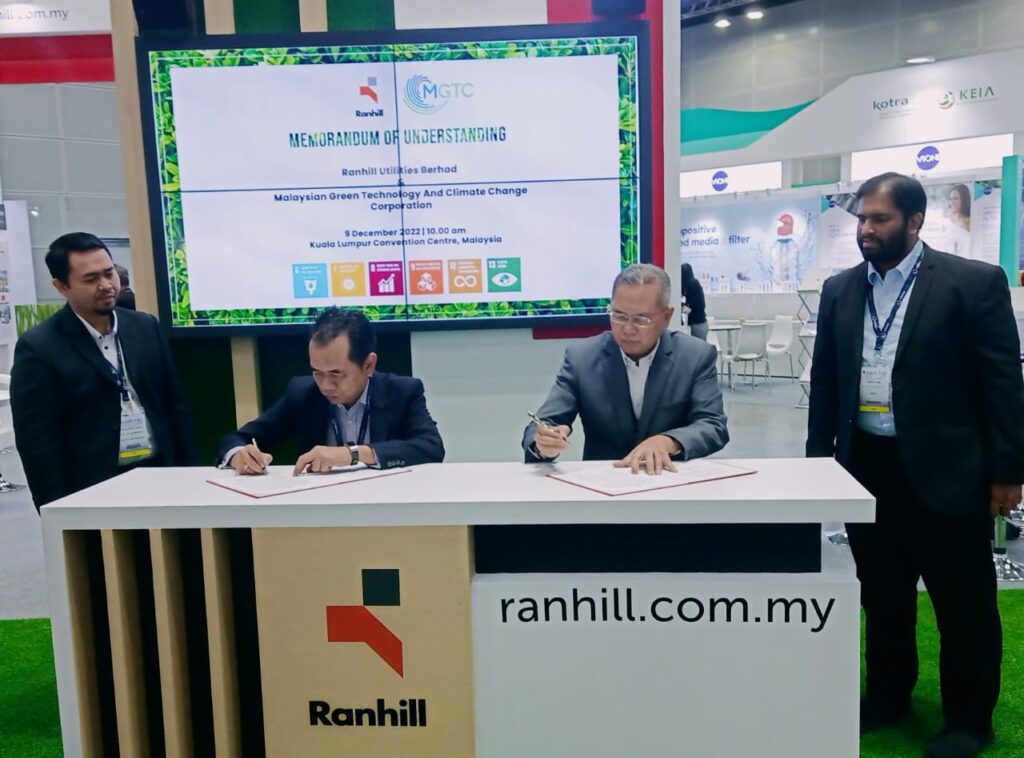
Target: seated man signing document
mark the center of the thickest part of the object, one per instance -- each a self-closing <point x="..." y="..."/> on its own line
<point x="646" y="396"/>
<point x="345" y="413"/>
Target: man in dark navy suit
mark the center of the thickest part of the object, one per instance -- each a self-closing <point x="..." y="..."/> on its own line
<point x="345" y="413"/>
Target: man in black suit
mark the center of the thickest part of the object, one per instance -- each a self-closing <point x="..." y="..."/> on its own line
<point x="916" y="389"/>
<point x="345" y="413"/>
<point x="93" y="389"/>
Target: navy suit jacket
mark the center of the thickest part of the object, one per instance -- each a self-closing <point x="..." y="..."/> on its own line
<point x="402" y="431"/>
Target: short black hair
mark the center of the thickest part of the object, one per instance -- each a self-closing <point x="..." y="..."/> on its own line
<point x="58" y="256"/>
<point x="906" y="192"/>
<point x="334" y="322"/>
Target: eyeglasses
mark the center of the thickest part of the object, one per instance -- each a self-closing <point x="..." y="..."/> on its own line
<point x="620" y="318"/>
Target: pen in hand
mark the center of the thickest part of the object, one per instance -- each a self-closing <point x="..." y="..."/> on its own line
<point x="263" y="467"/>
<point x="545" y="424"/>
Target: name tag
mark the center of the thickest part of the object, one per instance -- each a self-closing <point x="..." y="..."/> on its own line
<point x="135" y="444"/>
<point x="874" y="389"/>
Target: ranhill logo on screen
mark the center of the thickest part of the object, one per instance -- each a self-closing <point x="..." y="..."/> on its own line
<point x="355" y="623"/>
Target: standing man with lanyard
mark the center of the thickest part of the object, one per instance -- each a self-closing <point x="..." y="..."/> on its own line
<point x="347" y="412"/>
<point x="916" y="389"/>
<point x="93" y="389"/>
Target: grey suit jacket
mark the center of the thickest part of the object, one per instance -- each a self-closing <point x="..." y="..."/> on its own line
<point x="681" y="399"/>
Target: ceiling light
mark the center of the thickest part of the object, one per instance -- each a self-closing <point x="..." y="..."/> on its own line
<point x="921" y="59"/>
<point x="723" y="23"/>
<point x="755" y="15"/>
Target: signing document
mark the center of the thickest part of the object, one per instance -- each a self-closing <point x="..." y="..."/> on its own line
<point x="279" y="480"/>
<point x="609" y="480"/>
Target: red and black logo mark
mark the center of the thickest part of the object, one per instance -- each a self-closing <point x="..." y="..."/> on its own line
<point x="356" y="623"/>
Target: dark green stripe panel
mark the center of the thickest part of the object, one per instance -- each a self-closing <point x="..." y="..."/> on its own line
<point x="360" y="15"/>
<point x="256" y="16"/>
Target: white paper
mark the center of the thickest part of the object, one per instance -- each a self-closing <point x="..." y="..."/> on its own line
<point x="279" y="480"/>
<point x="622" y="481"/>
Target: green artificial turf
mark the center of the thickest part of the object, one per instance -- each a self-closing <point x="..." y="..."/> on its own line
<point x="909" y="740"/>
<point x="29" y="725"/>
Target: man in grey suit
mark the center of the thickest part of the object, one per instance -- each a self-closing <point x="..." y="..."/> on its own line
<point x="646" y="396"/>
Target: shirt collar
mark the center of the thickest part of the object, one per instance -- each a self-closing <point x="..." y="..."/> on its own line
<point x="905" y="266"/>
<point x="92" y="331"/>
<point x="644" y="362"/>
<point x="360" y="402"/>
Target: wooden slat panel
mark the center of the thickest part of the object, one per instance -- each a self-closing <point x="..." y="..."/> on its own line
<point x="246" y="372"/>
<point x="125" y="643"/>
<point x="172" y="642"/>
<point x="227" y="728"/>
<point x="83" y="642"/>
<point x="313" y="15"/>
<point x="122" y="18"/>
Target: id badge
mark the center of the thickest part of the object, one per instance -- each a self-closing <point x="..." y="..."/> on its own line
<point x="135" y="444"/>
<point x="874" y="389"/>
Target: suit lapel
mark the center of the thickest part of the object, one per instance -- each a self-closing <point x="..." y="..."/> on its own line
<point x="81" y="342"/>
<point x="917" y="301"/>
<point x="618" y="386"/>
<point x="850" y="316"/>
<point x="379" y="409"/>
<point x="661" y="369"/>
<point x="133" y="345"/>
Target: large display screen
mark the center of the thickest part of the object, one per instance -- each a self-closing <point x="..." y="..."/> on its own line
<point x="442" y="177"/>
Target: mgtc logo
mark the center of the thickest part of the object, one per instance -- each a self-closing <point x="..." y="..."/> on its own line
<point x="720" y="181"/>
<point x="928" y="158"/>
<point x="425" y="97"/>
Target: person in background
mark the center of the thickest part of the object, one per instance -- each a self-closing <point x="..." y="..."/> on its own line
<point x="126" y="297"/>
<point x="916" y="390"/>
<point x="345" y="413"/>
<point x="94" y="391"/>
<point x="693" y="304"/>
<point x="647" y="396"/>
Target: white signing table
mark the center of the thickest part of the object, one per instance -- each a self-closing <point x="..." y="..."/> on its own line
<point x="440" y="612"/>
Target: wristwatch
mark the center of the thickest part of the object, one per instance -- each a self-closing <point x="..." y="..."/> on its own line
<point x="354" y="451"/>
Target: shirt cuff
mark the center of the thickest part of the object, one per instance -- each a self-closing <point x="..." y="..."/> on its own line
<point x="227" y="456"/>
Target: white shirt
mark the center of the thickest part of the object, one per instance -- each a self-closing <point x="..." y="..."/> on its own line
<point x="350" y="419"/>
<point x="107" y="344"/>
<point x="636" y="373"/>
<point x="886" y="290"/>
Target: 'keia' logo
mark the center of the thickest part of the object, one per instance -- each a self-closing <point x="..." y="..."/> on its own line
<point x="947" y="100"/>
<point x="356" y="623"/>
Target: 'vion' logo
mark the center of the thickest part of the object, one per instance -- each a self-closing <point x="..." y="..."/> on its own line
<point x="423" y="96"/>
<point x="720" y="181"/>
<point x="928" y="158"/>
<point x="356" y="623"/>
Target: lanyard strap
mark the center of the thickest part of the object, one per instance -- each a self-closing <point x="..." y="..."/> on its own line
<point x="881" y="332"/>
<point x="364" y="425"/>
<point x="119" y="373"/>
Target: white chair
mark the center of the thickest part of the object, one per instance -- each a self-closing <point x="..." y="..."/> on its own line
<point x="751" y="349"/>
<point x="781" y="340"/>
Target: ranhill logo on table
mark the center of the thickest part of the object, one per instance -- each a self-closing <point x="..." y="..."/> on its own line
<point x="356" y="623"/>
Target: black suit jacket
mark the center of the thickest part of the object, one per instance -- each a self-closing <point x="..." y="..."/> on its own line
<point x="957" y="391"/>
<point x="402" y="432"/>
<point x="66" y="405"/>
